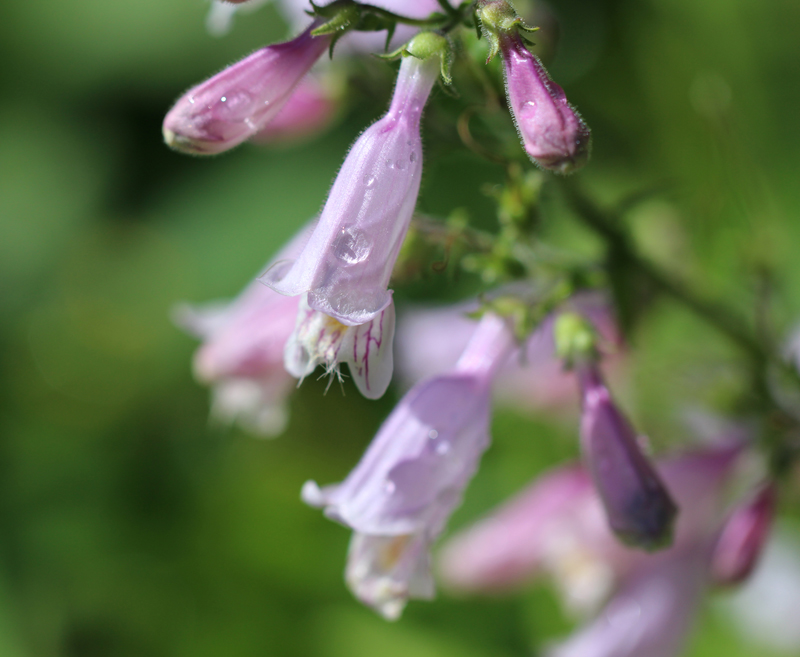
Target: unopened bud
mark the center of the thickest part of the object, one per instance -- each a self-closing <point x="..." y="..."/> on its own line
<point x="742" y="539"/>
<point x="230" y="107"/>
<point x="639" y="508"/>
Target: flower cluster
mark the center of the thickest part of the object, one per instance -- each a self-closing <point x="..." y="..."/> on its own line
<point x="653" y="534"/>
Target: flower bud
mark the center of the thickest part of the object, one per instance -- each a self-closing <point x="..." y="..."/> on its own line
<point x="743" y="537"/>
<point x="552" y="132"/>
<point x="640" y="510"/>
<point x="233" y="105"/>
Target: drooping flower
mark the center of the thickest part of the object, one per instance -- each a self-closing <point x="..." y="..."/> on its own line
<point x="242" y="352"/>
<point x="233" y="105"/>
<point x="639" y="508"/>
<point x="346" y="266"/>
<point x="399" y="497"/>
<point x="319" y="339"/>
<point x="558" y="526"/>
<point x="743" y="537"/>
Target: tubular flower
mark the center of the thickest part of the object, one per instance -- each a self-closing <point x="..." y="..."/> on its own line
<point x="319" y="339"/>
<point x="232" y="106"/>
<point x="242" y="352"/>
<point x="346" y="265"/>
<point x="399" y="497"/>
<point x="639" y="508"/>
<point x="557" y="526"/>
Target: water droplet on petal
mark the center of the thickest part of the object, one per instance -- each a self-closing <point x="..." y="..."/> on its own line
<point x="442" y="447"/>
<point x="369" y="180"/>
<point x="389" y="487"/>
<point x="400" y="164"/>
<point x="413" y="156"/>
<point x="351" y="246"/>
<point x="433" y="434"/>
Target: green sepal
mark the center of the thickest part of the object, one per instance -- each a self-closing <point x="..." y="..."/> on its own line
<point x="575" y="338"/>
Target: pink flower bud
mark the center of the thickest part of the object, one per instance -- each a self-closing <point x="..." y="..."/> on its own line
<point x="743" y="538"/>
<point x="232" y="106"/>
<point x="552" y="132"/>
<point x="640" y="510"/>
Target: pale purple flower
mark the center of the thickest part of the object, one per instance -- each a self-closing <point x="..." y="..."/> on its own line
<point x="552" y="132"/>
<point x="242" y="353"/>
<point x="233" y="105"/>
<point x="557" y="526"/>
<point x="743" y="537"/>
<point x="639" y="507"/>
<point x="319" y="339"/>
<point x="346" y="266"/>
<point x="411" y="478"/>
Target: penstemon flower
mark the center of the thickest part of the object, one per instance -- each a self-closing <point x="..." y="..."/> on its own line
<point x="557" y="526"/>
<point x="242" y="353"/>
<point x="346" y="265"/>
<point x="233" y="105"/>
<point x="399" y="497"/>
<point x="319" y="339"/>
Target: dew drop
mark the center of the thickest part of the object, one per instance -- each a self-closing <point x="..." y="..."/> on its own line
<point x="433" y="434"/>
<point x="351" y="246"/>
<point x="442" y="447"/>
<point x="413" y="156"/>
<point x="369" y="180"/>
<point x="400" y="164"/>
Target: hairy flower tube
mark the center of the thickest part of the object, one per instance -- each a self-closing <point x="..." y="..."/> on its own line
<point x="243" y="350"/>
<point x="557" y="526"/>
<point x="319" y="339"/>
<point x="552" y="132"/>
<point x="399" y="497"/>
<point x="346" y="265"/>
<point x="233" y="105"/>
<point x="639" y="507"/>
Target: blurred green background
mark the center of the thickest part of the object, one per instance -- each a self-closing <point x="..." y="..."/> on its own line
<point x="128" y="527"/>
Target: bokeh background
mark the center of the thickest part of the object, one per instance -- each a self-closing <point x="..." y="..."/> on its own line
<point x="131" y="527"/>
